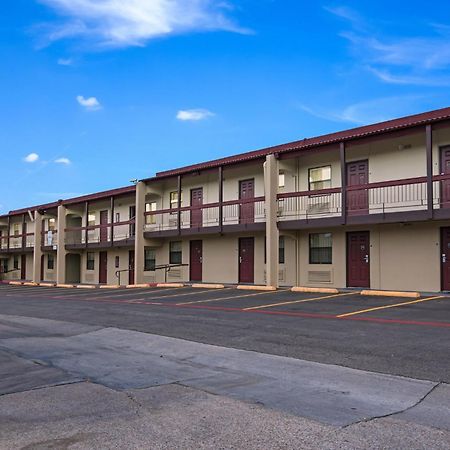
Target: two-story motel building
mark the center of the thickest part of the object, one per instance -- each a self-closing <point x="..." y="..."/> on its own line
<point x="367" y="207"/>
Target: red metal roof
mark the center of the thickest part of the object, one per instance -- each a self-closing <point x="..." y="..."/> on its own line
<point x="71" y="201"/>
<point x="305" y="144"/>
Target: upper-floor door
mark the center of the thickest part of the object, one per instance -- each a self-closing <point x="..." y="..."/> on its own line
<point x="196" y="203"/>
<point x="103" y="226"/>
<point x="247" y="209"/>
<point x="358" y="175"/>
<point x="445" y="170"/>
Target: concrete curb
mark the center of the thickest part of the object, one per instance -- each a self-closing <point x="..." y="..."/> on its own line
<point x="208" y="286"/>
<point x="85" y="286"/>
<point x="256" y="288"/>
<point x="47" y="284"/>
<point x="134" y="286"/>
<point x="315" y="290"/>
<point x="170" y="285"/>
<point x="109" y="286"/>
<point x="16" y="283"/>
<point x="65" y="285"/>
<point x="391" y="293"/>
<point x="30" y="283"/>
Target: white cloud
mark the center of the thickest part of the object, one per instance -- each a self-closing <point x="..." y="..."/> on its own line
<point x="65" y="161"/>
<point x="422" y="59"/>
<point x="31" y="158"/>
<point x="371" y="111"/>
<point x="65" y="61"/>
<point x="120" y="23"/>
<point x="193" y="114"/>
<point x="90" y="103"/>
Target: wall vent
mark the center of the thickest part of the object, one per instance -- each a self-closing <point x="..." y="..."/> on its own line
<point x="319" y="276"/>
<point x="174" y="273"/>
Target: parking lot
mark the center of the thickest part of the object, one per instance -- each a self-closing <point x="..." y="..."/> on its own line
<point x="401" y="336"/>
<point x="427" y="311"/>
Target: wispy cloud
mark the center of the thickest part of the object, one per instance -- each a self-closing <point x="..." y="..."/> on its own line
<point x="367" y="112"/>
<point x="423" y="59"/>
<point x="89" y="103"/>
<point x="64" y="161"/>
<point x="65" y="61"/>
<point x="115" y="23"/>
<point x="31" y="158"/>
<point x="193" y="114"/>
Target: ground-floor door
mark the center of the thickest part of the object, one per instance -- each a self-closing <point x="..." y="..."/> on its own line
<point x="42" y="267"/>
<point x="23" y="267"/>
<point x="131" y="267"/>
<point x="196" y="261"/>
<point x="246" y="260"/>
<point x="103" y="268"/>
<point x="445" y="259"/>
<point x="358" y="259"/>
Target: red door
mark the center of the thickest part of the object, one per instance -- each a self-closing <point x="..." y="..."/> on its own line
<point x="196" y="201"/>
<point x="358" y="259"/>
<point x="103" y="226"/>
<point x="42" y="267"/>
<point x="445" y="170"/>
<point x="358" y="175"/>
<point x="247" y="192"/>
<point x="445" y="258"/>
<point x="246" y="260"/>
<point x="196" y="261"/>
<point x="131" y="267"/>
<point x="103" y="268"/>
<point x="23" y="267"/>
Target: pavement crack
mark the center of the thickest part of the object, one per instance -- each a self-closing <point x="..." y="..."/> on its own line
<point x="395" y="413"/>
<point x="134" y="401"/>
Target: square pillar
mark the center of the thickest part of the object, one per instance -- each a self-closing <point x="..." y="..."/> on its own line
<point x="37" y="254"/>
<point x="61" y="246"/>
<point x="271" y="206"/>
<point x="139" y="241"/>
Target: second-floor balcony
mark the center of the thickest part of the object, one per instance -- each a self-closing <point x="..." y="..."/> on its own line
<point x="104" y="235"/>
<point x="233" y="215"/>
<point x="17" y="242"/>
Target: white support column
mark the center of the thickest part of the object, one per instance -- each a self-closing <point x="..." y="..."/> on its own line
<point x="61" y="250"/>
<point x="139" y="241"/>
<point x="271" y="204"/>
<point x="37" y="254"/>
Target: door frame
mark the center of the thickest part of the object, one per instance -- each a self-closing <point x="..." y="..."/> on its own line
<point x="131" y="261"/>
<point x="104" y="226"/>
<point x="100" y="267"/>
<point x="347" y="163"/>
<point x="348" y="233"/>
<point x="190" y="259"/>
<point x="239" y="259"/>
<point x="246" y="206"/>
<point x="441" y="264"/>
<point x="197" y="211"/>
<point x="442" y="204"/>
<point x="23" y="267"/>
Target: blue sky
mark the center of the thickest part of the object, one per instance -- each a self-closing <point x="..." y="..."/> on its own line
<point x="98" y="92"/>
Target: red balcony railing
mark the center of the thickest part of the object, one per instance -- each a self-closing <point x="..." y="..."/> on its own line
<point x="234" y="212"/>
<point x="49" y="238"/>
<point x="98" y="234"/>
<point x="17" y="241"/>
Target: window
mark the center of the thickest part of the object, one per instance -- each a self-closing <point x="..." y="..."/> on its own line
<point x="51" y="224"/>
<point x="281" y="179"/>
<point x="90" y="261"/>
<point x="150" y="207"/>
<point x="117" y="217"/>
<point x="175" y="255"/>
<point x="4" y="266"/>
<point x="50" y="261"/>
<point x="320" y="248"/>
<point x="319" y="178"/>
<point x="91" y="219"/>
<point x="174" y="199"/>
<point x="16" y="229"/>
<point x="117" y="262"/>
<point x="149" y="259"/>
<point x="281" y="250"/>
<point x="16" y="262"/>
